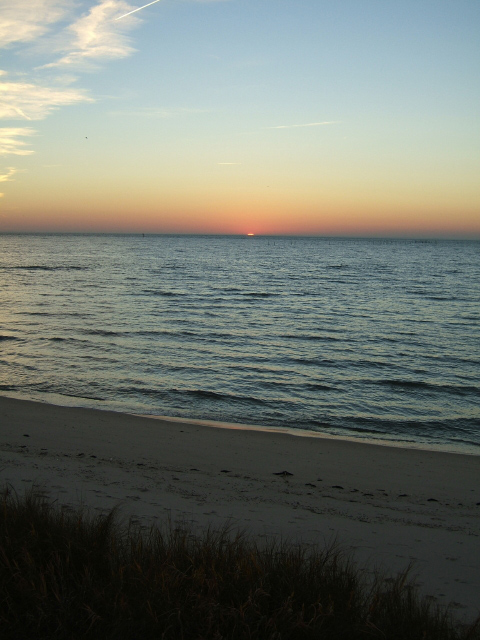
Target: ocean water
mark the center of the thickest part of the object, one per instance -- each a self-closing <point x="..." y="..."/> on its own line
<point x="359" y="338"/>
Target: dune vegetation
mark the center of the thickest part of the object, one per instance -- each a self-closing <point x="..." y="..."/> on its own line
<point x="69" y="574"/>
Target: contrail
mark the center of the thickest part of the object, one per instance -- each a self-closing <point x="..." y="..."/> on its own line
<point x="138" y="9"/>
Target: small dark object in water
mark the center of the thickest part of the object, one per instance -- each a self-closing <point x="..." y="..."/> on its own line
<point x="283" y="473"/>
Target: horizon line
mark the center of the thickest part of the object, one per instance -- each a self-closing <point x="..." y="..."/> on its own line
<point x="331" y="236"/>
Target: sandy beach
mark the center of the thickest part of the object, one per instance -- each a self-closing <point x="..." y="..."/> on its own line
<point x="390" y="506"/>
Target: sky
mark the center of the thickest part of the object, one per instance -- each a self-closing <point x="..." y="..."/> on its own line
<point x="325" y="117"/>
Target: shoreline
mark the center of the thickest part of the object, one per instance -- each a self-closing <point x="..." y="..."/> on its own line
<point x="390" y="506"/>
<point x="459" y="449"/>
<point x="306" y="433"/>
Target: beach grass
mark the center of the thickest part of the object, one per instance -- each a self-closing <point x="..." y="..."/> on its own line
<point x="70" y="574"/>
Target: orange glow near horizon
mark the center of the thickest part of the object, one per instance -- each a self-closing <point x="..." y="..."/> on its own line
<point x="205" y="209"/>
<point x="270" y="223"/>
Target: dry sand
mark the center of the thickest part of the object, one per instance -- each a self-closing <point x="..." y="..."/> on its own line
<point x="391" y="506"/>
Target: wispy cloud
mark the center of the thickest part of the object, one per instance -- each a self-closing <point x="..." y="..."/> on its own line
<point x="137" y="9"/>
<point x="97" y="36"/>
<point x="143" y="112"/>
<point x="156" y="112"/>
<point x="310" y="124"/>
<point x="11" y="142"/>
<point x="72" y="42"/>
<point x="7" y="177"/>
<point x="26" y="101"/>
<point x="29" y="19"/>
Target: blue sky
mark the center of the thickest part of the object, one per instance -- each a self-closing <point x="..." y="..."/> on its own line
<point x="234" y="115"/>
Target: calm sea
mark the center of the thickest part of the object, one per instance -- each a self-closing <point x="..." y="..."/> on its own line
<point x="371" y="339"/>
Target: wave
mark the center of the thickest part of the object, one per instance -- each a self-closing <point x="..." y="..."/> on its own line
<point x="313" y="338"/>
<point x="202" y="394"/>
<point x="163" y="293"/>
<point x="429" y="386"/>
<point x="417" y="292"/>
<point x="404" y="430"/>
<point x="79" y="395"/>
<point x="41" y="267"/>
<point x="183" y="333"/>
<point x="319" y="387"/>
<point x="429" y="295"/>
<point x="259" y="294"/>
<point x="103" y="332"/>
<point x="327" y="362"/>
<point x="36" y="313"/>
<point x="70" y="340"/>
<point x="161" y="332"/>
<point x="6" y="338"/>
<point x="213" y="395"/>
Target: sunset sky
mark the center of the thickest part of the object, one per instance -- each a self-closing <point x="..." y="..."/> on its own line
<point x="356" y="117"/>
